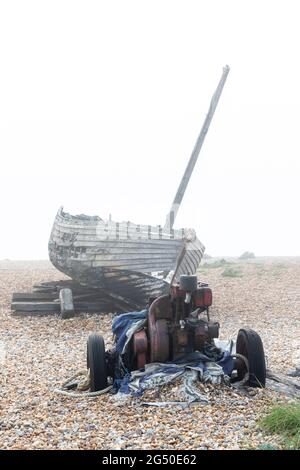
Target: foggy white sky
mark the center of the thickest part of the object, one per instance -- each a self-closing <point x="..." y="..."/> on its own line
<point x="101" y="104"/>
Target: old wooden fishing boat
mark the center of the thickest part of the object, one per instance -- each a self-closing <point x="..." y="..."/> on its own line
<point x="131" y="262"/>
<point x="120" y="257"/>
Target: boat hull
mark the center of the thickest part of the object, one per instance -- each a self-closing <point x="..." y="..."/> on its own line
<point x="120" y="257"/>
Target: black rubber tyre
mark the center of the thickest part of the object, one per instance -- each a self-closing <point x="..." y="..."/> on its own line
<point x="249" y="344"/>
<point x="96" y="362"/>
<point x="188" y="283"/>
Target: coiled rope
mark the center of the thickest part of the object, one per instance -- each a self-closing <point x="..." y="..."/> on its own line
<point x="82" y="385"/>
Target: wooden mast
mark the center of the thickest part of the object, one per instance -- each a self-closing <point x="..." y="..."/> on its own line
<point x="193" y="159"/>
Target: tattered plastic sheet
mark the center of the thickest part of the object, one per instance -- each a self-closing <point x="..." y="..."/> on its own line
<point x="213" y="365"/>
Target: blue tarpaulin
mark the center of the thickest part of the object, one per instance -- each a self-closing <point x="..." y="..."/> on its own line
<point x="121" y="325"/>
<point x="211" y="364"/>
<point x="160" y="374"/>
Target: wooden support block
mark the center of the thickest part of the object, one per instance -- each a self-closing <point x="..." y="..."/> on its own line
<point x="66" y="303"/>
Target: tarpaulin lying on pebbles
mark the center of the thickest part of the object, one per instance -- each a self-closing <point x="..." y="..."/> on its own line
<point x="213" y="365"/>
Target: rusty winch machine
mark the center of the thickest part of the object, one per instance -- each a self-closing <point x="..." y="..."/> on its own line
<point x="177" y="324"/>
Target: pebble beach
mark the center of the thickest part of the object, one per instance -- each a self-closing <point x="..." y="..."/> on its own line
<point x="38" y="352"/>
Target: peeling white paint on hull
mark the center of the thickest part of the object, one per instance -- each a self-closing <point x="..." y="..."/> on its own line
<point x="121" y="257"/>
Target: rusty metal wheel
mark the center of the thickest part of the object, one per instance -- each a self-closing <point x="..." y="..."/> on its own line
<point x="140" y="347"/>
<point x="159" y="340"/>
<point x="96" y="362"/>
<point x="249" y="344"/>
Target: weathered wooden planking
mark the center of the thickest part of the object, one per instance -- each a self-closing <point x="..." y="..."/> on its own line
<point x="65" y="224"/>
<point x="53" y="287"/>
<point x="35" y="306"/>
<point x="97" y="307"/>
<point x="121" y="261"/>
<point x="34" y="296"/>
<point x="84" y="300"/>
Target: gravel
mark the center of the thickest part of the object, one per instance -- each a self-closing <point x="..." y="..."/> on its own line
<point x="37" y="353"/>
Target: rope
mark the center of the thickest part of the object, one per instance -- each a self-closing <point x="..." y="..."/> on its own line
<point x="82" y="385"/>
<point x="247" y="375"/>
<point x="77" y="374"/>
<point x="244" y="358"/>
<point x="82" y="394"/>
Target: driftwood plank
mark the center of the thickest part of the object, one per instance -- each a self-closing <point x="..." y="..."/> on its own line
<point x="35" y="306"/>
<point x="33" y="296"/>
